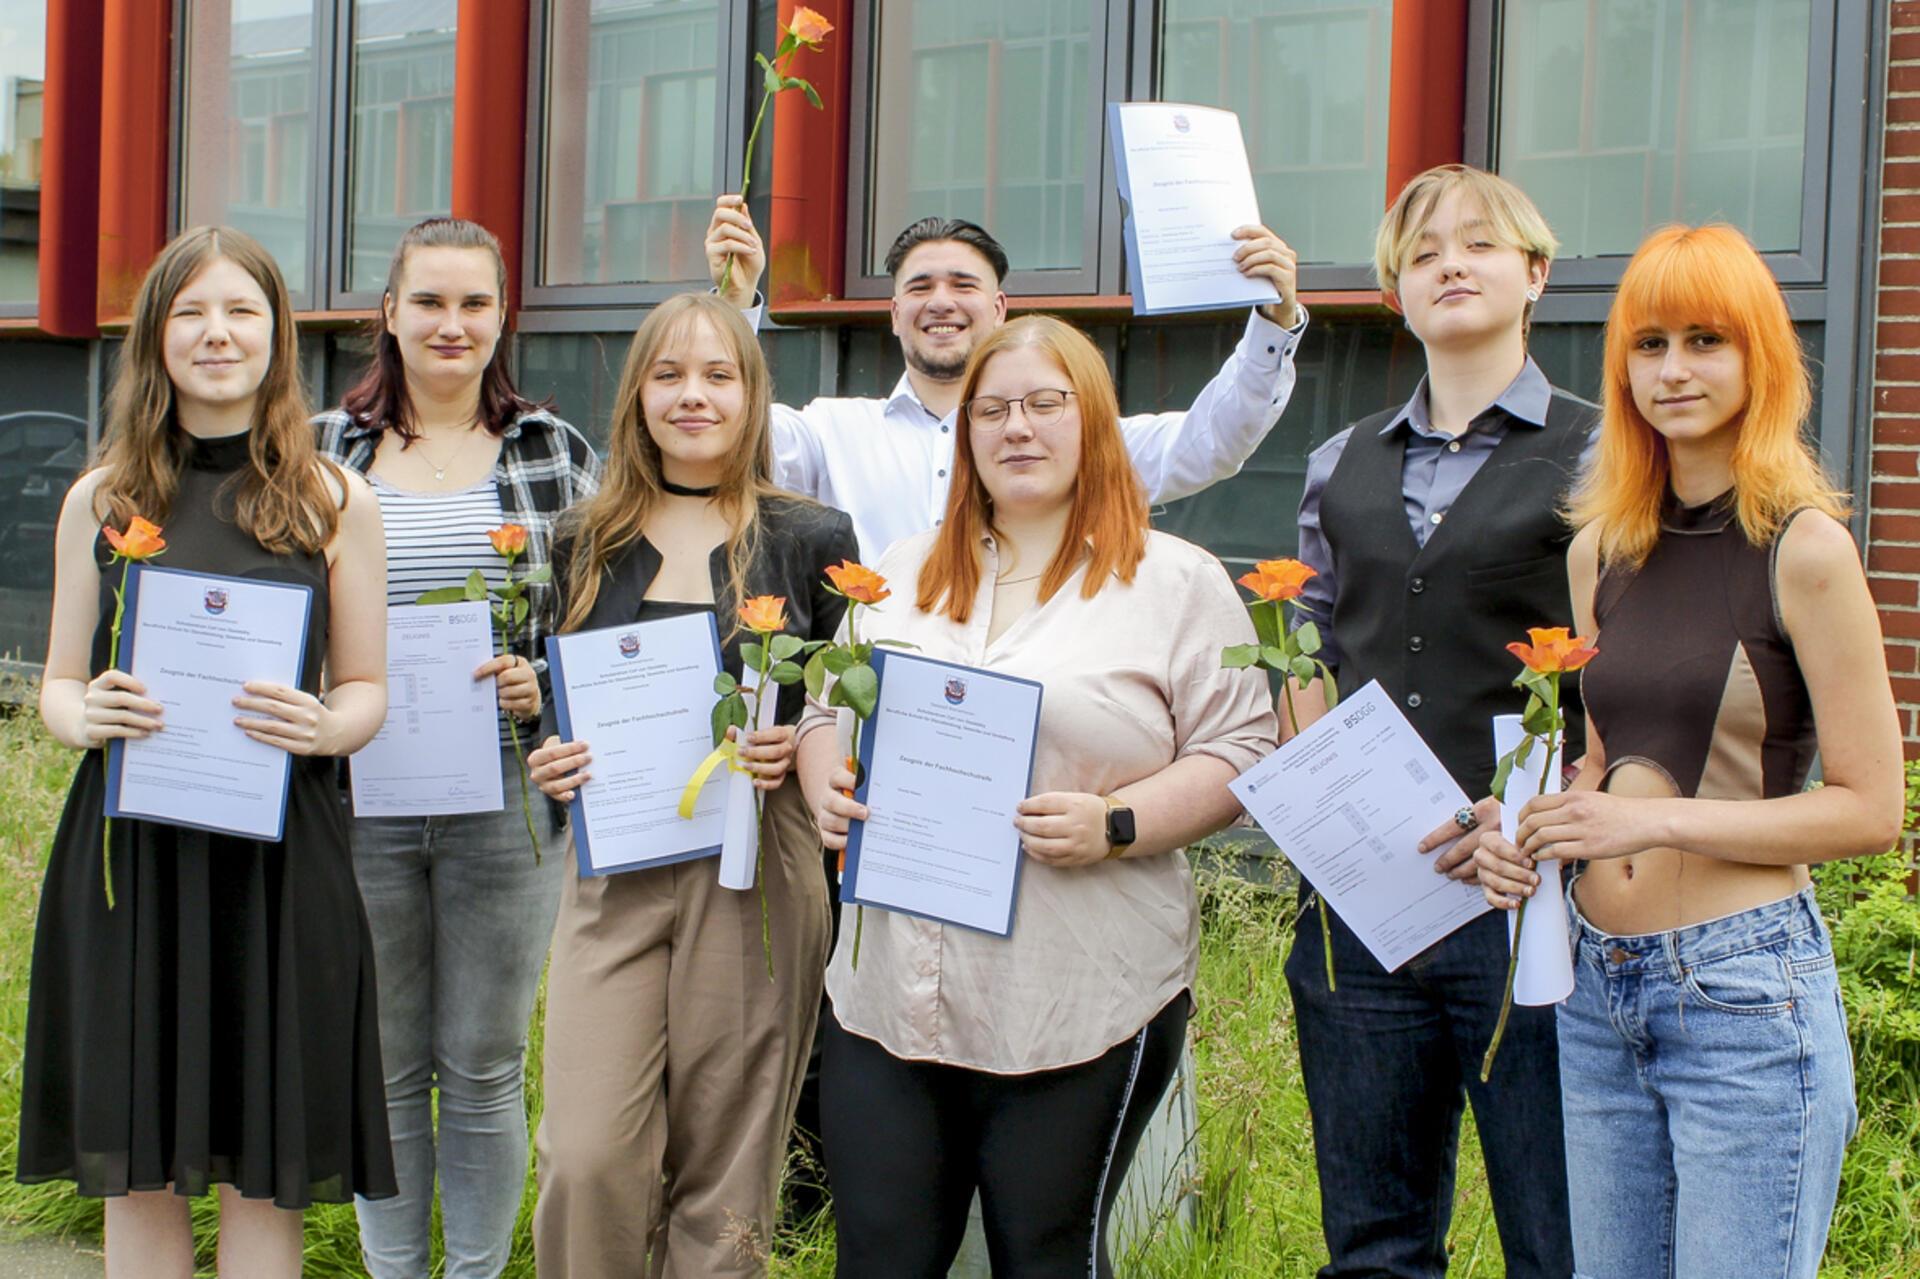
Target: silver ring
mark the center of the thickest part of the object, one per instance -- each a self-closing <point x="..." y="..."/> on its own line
<point x="1465" y="820"/>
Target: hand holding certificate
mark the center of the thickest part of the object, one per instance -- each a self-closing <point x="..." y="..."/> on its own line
<point x="945" y="762"/>
<point x="1347" y="801"/>
<point x="194" y="639"/>
<point x="1187" y="186"/>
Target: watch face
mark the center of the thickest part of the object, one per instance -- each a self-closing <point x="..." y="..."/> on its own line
<point x="1119" y="826"/>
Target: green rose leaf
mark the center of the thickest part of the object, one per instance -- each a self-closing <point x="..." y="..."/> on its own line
<point x="1266" y="622"/>
<point x="837" y="661"/>
<point x="860" y="689"/>
<point x="1306" y="637"/>
<point x="1239" y="656"/>
<point x="476" y="586"/>
<point x="1304" y="668"/>
<point x="542" y="574"/>
<point x="724" y="684"/>
<point x="444" y="595"/>
<point x="728" y="712"/>
<point x="785" y="646"/>
<point x="784" y="673"/>
<point x="816" y="674"/>
<point x="751" y="656"/>
<point x="1276" y="657"/>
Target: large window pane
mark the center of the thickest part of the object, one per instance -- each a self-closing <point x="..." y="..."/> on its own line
<point x="249" y="135"/>
<point x="632" y="91"/>
<point x="402" y="155"/>
<point x="43" y="448"/>
<point x="1619" y="115"/>
<point x="23" y="68"/>
<point x="1309" y="81"/>
<point x="981" y="112"/>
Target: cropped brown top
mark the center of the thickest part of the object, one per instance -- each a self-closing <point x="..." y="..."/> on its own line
<point x="1696" y="676"/>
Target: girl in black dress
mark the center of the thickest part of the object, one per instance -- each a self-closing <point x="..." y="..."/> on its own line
<point x="216" y="1025"/>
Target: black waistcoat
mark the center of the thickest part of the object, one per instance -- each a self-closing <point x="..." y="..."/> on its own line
<point x="1432" y="623"/>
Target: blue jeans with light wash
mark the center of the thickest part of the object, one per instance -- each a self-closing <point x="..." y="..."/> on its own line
<point x="461" y="919"/>
<point x="1708" y="1094"/>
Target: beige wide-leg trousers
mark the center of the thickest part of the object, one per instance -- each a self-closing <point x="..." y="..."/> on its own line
<point x="673" y="1064"/>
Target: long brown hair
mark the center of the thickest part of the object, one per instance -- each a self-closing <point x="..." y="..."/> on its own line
<point x="1108" y="524"/>
<point x="380" y="397"/>
<point x="631" y="482"/>
<point x="1711" y="276"/>
<point x="283" y="499"/>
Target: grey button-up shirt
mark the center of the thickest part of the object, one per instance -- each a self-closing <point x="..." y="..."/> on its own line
<point x="1435" y="473"/>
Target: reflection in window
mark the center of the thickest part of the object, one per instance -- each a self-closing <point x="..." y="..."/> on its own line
<point x="981" y="113"/>
<point x="249" y="134"/>
<point x="632" y="88"/>
<point x="402" y="153"/>
<point x="23" y="68"/>
<point x="1308" y="79"/>
<point x="1619" y="115"/>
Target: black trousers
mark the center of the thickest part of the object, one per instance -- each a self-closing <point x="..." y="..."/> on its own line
<point x="908" y="1143"/>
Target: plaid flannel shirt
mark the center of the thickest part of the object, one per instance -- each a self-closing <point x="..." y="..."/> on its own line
<point x="545" y="467"/>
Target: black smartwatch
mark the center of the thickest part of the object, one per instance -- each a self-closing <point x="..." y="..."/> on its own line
<point x="1120" y="833"/>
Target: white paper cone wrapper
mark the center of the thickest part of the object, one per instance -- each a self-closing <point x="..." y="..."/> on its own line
<point x="1545" y="974"/>
<point x="740" y="840"/>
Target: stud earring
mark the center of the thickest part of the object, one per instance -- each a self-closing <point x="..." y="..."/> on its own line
<point x="1533" y="295"/>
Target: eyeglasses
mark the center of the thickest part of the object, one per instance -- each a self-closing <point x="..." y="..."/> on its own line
<point x="992" y="413"/>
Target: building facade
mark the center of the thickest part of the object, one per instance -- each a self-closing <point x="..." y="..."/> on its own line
<point x="592" y="135"/>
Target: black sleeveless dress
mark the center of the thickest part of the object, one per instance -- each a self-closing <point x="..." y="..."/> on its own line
<point x="217" y="1025"/>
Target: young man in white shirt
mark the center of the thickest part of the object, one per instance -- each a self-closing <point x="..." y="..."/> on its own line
<point x="886" y="461"/>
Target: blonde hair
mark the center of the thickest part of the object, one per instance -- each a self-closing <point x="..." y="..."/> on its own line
<point x="632" y="482"/>
<point x="1515" y="220"/>
<point x="1713" y="277"/>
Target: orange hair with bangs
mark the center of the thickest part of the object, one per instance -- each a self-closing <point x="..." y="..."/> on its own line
<point x="1710" y="276"/>
<point x="1108" y="524"/>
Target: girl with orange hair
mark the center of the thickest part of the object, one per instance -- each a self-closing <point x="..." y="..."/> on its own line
<point x="948" y="1051"/>
<point x="1706" y="1080"/>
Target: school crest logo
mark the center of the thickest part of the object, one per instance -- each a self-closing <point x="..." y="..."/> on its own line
<point x="215" y="600"/>
<point x="956" y="691"/>
<point x="629" y="645"/>
<point x="1180" y="122"/>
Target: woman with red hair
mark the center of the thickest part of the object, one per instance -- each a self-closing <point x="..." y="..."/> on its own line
<point x="948" y="1051"/>
<point x="1706" y="1080"/>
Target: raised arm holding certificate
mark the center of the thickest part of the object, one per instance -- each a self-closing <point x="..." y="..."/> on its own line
<point x="438" y="752"/>
<point x="642" y="696"/>
<point x="945" y="762"/>
<point x="1347" y="801"/>
<point x="193" y="639"/>
<point x="1186" y="184"/>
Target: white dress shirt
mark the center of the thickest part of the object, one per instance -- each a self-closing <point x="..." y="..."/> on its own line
<point x="886" y="462"/>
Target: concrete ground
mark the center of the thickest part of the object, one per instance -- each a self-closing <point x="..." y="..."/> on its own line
<point x="44" y="1259"/>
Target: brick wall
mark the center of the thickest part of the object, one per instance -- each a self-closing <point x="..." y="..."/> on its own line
<point x="1893" y="526"/>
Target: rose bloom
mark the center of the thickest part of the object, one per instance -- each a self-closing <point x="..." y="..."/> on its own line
<point x="765" y="614"/>
<point x="858" y="582"/>
<point x="1278" y="579"/>
<point x="141" y="541"/>
<point x="809" y="28"/>
<point x="1554" y="650"/>
<point x="509" y="540"/>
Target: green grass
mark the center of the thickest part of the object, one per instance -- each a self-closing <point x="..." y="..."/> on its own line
<point x="1254" y="1198"/>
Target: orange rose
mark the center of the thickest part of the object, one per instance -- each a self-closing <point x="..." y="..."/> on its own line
<point x="858" y="582"/>
<point x="509" y="540"/>
<point x="808" y="27"/>
<point x="765" y="614"/>
<point x="1278" y="579"/>
<point x="141" y="541"/>
<point x="1554" y="650"/>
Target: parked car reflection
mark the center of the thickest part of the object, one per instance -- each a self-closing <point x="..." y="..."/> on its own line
<point x="40" y="456"/>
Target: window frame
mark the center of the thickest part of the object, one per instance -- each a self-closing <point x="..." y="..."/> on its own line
<point x="568" y="306"/>
<point x="1807" y="265"/>
<point x="1100" y="272"/>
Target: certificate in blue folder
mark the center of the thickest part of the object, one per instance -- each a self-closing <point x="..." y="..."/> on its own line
<point x="944" y="763"/>
<point x="641" y="696"/>
<point x="1186" y="185"/>
<point x="193" y="639"/>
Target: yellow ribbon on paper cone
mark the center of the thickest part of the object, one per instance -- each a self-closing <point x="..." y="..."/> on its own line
<point x="728" y="753"/>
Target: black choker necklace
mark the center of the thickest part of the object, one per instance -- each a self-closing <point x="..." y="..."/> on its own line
<point x="681" y="490"/>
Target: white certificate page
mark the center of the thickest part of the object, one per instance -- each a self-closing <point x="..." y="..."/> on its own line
<point x="194" y="639"/>
<point x="438" y="752"/>
<point x="641" y="697"/>
<point x="1184" y="175"/>
<point x="1348" y="802"/>
<point x="947" y="757"/>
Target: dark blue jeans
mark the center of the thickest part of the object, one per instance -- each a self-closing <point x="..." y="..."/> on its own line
<point x="1389" y="1058"/>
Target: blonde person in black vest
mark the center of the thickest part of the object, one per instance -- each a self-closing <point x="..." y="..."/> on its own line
<point x="1436" y="531"/>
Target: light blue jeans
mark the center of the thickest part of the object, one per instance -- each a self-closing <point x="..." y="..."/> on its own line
<point x="461" y="920"/>
<point x="1708" y="1094"/>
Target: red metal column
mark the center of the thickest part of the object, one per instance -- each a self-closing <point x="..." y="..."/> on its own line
<point x="806" y="243"/>
<point x="1427" y="89"/>
<point x="70" y="169"/>
<point x="136" y="55"/>
<point x="490" y="123"/>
